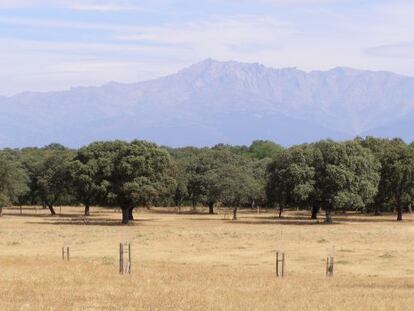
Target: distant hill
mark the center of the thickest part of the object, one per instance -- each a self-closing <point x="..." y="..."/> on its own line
<point x="212" y="102"/>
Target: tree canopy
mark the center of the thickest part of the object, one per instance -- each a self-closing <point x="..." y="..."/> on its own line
<point x="13" y="179"/>
<point x="365" y="175"/>
<point x="325" y="174"/>
<point x="141" y="173"/>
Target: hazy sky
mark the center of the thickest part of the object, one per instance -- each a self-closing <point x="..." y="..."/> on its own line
<point x="56" y="44"/>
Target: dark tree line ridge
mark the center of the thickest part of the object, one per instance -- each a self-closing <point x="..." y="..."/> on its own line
<point x="369" y="175"/>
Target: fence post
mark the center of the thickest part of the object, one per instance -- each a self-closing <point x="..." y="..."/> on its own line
<point x="280" y="264"/>
<point x="277" y="264"/>
<point x="121" y="255"/>
<point x="125" y="262"/>
<point x="65" y="252"/>
<point x="329" y="266"/>
<point x="129" y="258"/>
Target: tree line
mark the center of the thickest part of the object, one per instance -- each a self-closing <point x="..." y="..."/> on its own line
<point x="369" y="175"/>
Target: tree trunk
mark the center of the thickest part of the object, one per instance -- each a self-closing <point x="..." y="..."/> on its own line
<point x="87" y="210"/>
<point x="399" y="212"/>
<point x="280" y="211"/>
<point x="211" y="208"/>
<point x="1" y="211"/>
<point x="315" y="210"/>
<point x="130" y="215"/>
<point x="52" y="210"/>
<point x="410" y="210"/>
<point x="125" y="215"/>
<point x="235" y="213"/>
<point x="44" y="205"/>
<point x="328" y="215"/>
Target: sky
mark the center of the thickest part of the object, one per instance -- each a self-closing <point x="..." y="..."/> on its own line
<point x="52" y="45"/>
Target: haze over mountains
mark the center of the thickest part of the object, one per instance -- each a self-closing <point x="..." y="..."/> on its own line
<point x="217" y="102"/>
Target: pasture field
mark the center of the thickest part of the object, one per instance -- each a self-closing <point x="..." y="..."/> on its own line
<point x="204" y="262"/>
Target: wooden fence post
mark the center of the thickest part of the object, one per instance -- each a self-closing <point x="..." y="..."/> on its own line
<point x="129" y="258"/>
<point x="277" y="264"/>
<point x="329" y="266"/>
<point x="65" y="253"/>
<point x="125" y="262"/>
<point x="280" y="264"/>
<point x="121" y="255"/>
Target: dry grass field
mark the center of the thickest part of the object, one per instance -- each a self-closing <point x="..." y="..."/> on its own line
<point x="204" y="262"/>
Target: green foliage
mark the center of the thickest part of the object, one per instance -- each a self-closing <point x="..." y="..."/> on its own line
<point x="396" y="187"/>
<point x="13" y="179"/>
<point x="54" y="178"/>
<point x="347" y="175"/>
<point x="329" y="174"/>
<point x="261" y="149"/>
<point x="183" y="159"/>
<point x="91" y="171"/>
<point x="221" y="175"/>
<point x="141" y="173"/>
<point x="364" y="174"/>
<point x="291" y="177"/>
<point x="48" y="169"/>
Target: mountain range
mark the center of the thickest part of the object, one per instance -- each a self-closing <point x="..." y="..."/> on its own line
<point x="217" y="102"/>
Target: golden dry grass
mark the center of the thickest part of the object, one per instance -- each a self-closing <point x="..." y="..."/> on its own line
<point x="203" y="262"/>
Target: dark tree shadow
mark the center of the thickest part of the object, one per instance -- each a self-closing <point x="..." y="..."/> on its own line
<point x="300" y="220"/>
<point x="28" y="215"/>
<point x="90" y="222"/>
<point x="282" y="222"/>
<point x="167" y="212"/>
<point x="58" y="215"/>
<point x="363" y="220"/>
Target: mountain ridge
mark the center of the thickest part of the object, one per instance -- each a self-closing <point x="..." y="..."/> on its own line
<point x="216" y="102"/>
<point x="109" y="83"/>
